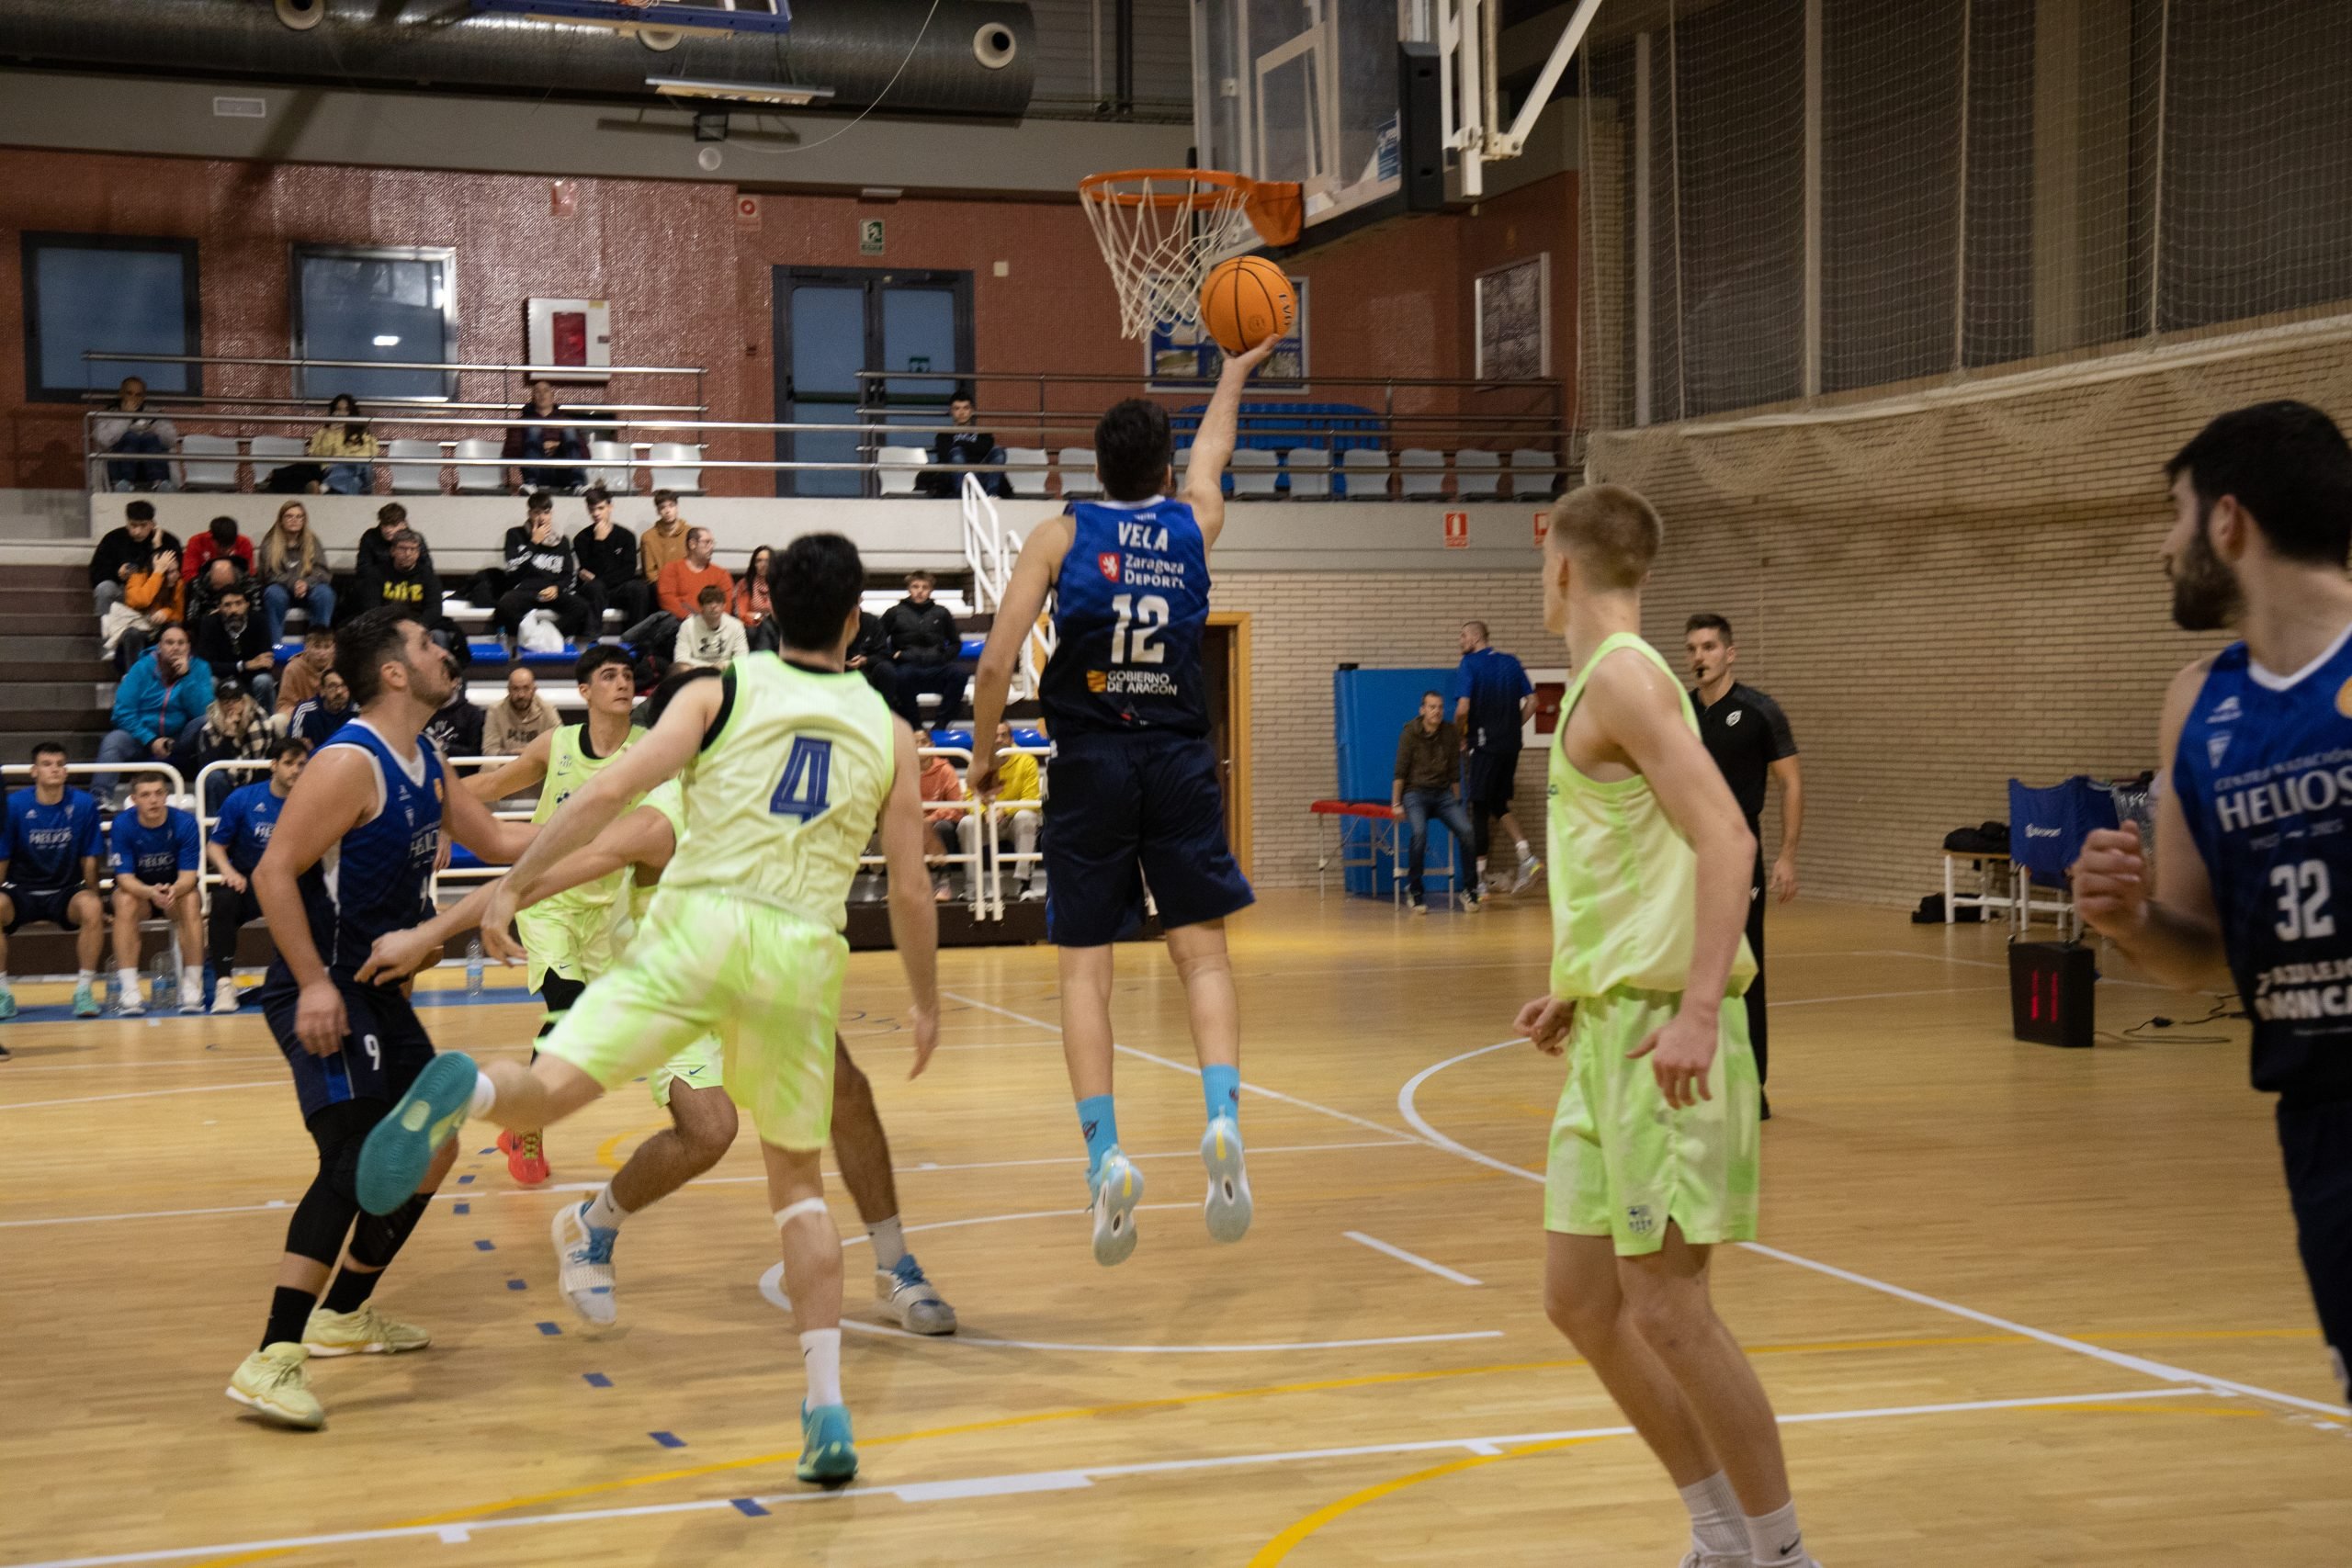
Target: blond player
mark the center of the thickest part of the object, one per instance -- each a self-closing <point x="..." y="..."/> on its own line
<point x="787" y="763"/>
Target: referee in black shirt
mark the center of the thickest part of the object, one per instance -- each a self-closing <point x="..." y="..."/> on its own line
<point x="1748" y="735"/>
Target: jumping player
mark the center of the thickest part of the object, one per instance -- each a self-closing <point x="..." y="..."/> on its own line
<point x="1136" y="799"/>
<point x="567" y="935"/>
<point x="788" y="762"/>
<point x="351" y="859"/>
<point x="2252" y="818"/>
<point x="691" y="1086"/>
<point x="1654" y="1147"/>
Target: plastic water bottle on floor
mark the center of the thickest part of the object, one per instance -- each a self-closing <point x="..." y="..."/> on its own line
<point x="473" y="967"/>
<point x="162" y="989"/>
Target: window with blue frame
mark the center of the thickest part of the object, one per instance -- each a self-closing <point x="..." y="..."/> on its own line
<point x="110" y="294"/>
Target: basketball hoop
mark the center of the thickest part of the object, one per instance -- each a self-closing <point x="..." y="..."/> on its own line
<point x="1161" y="230"/>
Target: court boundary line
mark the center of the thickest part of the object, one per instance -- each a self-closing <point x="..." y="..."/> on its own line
<point x="1415" y="1259"/>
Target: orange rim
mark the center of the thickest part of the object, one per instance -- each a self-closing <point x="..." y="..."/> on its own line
<point x="1274" y="206"/>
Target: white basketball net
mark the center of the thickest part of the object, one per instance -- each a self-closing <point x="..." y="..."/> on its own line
<point x="1159" y="235"/>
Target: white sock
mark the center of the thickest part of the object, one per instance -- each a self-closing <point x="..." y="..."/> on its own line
<point x="889" y="1243"/>
<point x="191" y="980"/>
<point x="1716" y="1526"/>
<point x="485" y="1096"/>
<point x="820" y="1357"/>
<point x="1482" y="867"/>
<point x="602" y="1213"/>
<point x="1775" y="1540"/>
<point x="1524" y="852"/>
<point x="128" y="980"/>
<point x="86" y="977"/>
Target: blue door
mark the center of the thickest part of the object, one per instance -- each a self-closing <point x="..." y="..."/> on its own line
<point x="910" y="332"/>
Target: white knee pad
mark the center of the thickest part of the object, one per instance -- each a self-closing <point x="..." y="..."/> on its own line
<point x="792" y="1211"/>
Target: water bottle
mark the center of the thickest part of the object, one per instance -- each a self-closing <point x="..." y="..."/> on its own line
<point x="163" y="988"/>
<point x="473" y="967"/>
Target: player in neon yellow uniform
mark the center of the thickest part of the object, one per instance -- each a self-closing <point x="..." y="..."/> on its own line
<point x="787" y="763"/>
<point x="570" y="935"/>
<point x="1654" y="1147"/>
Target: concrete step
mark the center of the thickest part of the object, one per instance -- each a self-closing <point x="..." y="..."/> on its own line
<point x="52" y="621"/>
<point x="92" y="669"/>
<point x="56" y="577"/>
<point x="47" y="647"/>
<point x="43" y="696"/>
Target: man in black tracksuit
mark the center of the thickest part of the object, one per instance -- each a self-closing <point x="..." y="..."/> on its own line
<point x="541" y="575"/>
<point x="926" y="653"/>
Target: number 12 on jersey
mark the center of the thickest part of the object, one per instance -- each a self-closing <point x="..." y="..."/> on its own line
<point x="1149" y="617"/>
<point x="806" y="790"/>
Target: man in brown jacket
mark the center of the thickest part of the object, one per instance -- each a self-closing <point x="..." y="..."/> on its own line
<point x="1429" y="768"/>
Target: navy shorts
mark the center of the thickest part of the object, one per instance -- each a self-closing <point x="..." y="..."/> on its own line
<point x="1125" y="811"/>
<point x="1488" y="777"/>
<point x="380" y="1057"/>
<point x="2317" y="1143"/>
<point x="51" y="904"/>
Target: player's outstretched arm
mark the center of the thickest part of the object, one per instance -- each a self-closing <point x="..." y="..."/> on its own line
<point x="914" y="915"/>
<point x="513" y="777"/>
<point x="2172" y="930"/>
<point x="471" y="823"/>
<point x="333" y="794"/>
<point x="1213" y="443"/>
<point x="1025" y="599"/>
<point x="1639" y="707"/>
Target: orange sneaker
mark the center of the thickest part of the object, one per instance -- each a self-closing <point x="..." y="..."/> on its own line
<point x="527" y="1162"/>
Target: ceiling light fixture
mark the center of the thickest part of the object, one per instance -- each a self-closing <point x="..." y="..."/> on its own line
<point x="739" y="92"/>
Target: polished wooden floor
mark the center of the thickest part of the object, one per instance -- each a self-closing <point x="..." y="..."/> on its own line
<point x="2023" y="1306"/>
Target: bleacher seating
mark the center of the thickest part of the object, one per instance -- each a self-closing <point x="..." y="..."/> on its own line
<point x="1421" y="472"/>
<point x="1253" y="473"/>
<point x="620" y="479"/>
<point x="1364" y="474"/>
<point x="671" y="466"/>
<point x="477" y="470"/>
<point x="422" y="477"/>
<point x="1476" y="474"/>
<point x="271" y="453"/>
<point x="897" y="468"/>
<point x="208" y="462"/>
<point x="1076" y="465"/>
<point x="1310" y="473"/>
<point x="1029" y="482"/>
<point x="1532" y="476"/>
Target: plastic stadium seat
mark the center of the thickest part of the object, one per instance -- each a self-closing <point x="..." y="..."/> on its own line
<point x="1421" y="472"/>
<point x="1310" y="473"/>
<point x="416" y="478"/>
<point x="1533" y="474"/>
<point x="1254" y="472"/>
<point x="202" y="463"/>
<point x="668" y="474"/>
<point x="1364" y="474"/>
<point x="1077" y="465"/>
<point x="1476" y="474"/>
<point x="273" y="452"/>
<point x="480" y="471"/>
<point x="896" y="467"/>
<point x="1030" y="481"/>
<point x="620" y="480"/>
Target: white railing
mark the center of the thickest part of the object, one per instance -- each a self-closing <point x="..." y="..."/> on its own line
<point x="991" y="550"/>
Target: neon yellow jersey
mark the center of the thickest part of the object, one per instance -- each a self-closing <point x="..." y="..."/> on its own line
<point x="668" y="797"/>
<point x="570" y="767"/>
<point x="1624" y="880"/>
<point x="780" y="805"/>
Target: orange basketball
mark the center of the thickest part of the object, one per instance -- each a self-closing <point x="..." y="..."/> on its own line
<point x="1245" y="301"/>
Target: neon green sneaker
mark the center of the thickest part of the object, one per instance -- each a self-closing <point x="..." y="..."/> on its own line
<point x="272" y="1381"/>
<point x="7" y="1001"/>
<point x="363" y="1333"/>
<point x="84" y="1004"/>
<point x="827" y="1455"/>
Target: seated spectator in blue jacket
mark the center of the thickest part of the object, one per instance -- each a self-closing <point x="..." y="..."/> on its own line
<point x="155" y="854"/>
<point x="48" y="871"/>
<point x="315" y="719"/>
<point x="158" y="698"/>
<point x="540" y="435"/>
<point x="238" y="835"/>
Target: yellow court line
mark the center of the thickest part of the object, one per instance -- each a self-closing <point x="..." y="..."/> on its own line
<point x="608" y="1152"/>
<point x="1168" y="1401"/>
<point x="1275" y="1550"/>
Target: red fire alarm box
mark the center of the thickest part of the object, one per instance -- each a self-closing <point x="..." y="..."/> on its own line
<point x="2050" y="992"/>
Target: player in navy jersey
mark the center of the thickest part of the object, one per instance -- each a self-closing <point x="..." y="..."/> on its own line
<point x="1134" y="799"/>
<point x="350" y="860"/>
<point x="2254" y="822"/>
<point x="48" y="871"/>
<point x="154" y="853"/>
<point x="239" y="835"/>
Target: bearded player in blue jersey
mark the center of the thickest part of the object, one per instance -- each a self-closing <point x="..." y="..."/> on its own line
<point x="1135" y="797"/>
<point x="2253" y="821"/>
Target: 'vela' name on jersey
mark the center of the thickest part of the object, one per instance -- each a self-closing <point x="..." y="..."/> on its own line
<point x="2264" y="779"/>
<point x="1128" y="608"/>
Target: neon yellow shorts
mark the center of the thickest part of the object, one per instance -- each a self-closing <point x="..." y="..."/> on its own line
<point x="765" y="983"/>
<point x="1624" y="1162"/>
<point x="702" y="1064"/>
<point x="574" y="944"/>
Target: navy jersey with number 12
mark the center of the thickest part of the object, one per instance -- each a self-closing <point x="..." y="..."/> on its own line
<point x="2263" y="777"/>
<point x="1128" y="608"/>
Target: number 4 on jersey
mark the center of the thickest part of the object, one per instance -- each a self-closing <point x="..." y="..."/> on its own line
<point x="805" y="791"/>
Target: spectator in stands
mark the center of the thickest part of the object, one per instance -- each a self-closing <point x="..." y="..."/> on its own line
<point x="967" y="443"/>
<point x="349" y="448"/>
<point x="48" y="871"/>
<point x="151" y="600"/>
<point x="401" y="577"/>
<point x="457" y="728"/>
<point x="232" y="644"/>
<point x="155" y="853"/>
<point x="749" y="603"/>
<point x="710" y="636"/>
<point x="124" y="551"/>
<point x="608" y="564"/>
<point x="316" y="717"/>
<point x="926" y="650"/>
<point x="541" y="574"/>
<point x="222" y="576"/>
<point x="221" y="540"/>
<point x="521" y="717"/>
<point x="154" y="702"/>
<point x="304" y="673"/>
<point x="678" y="591"/>
<point x="540" y="436"/>
<point x="942" y="782"/>
<point x="1429" y="766"/>
<point x="234" y="728"/>
<point x="292" y="569"/>
<point x="666" y="540"/>
<point x="1017" y="779"/>
<point x="128" y="427"/>
<point x="376" y="544"/>
<point x="240" y="833"/>
<point x="869" y="655"/>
